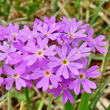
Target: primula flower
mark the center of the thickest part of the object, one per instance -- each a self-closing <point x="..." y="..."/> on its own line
<point x="72" y="23"/>
<point x="45" y="76"/>
<point x="1" y="79"/>
<point x="95" y="43"/>
<point x="65" y="62"/>
<point x="15" y="75"/>
<point x="62" y="88"/>
<point x="38" y="53"/>
<point x="82" y="79"/>
<point x="18" y="57"/>
<point x="82" y="50"/>
<point x="63" y="39"/>
<point x="71" y="32"/>
<point x="49" y="32"/>
<point x="5" y="48"/>
<point x="2" y="32"/>
<point x="50" y="54"/>
<point x="49" y="21"/>
<point x="12" y="32"/>
<point x="27" y="34"/>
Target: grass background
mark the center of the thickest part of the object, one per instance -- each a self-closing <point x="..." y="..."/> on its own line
<point x="95" y="12"/>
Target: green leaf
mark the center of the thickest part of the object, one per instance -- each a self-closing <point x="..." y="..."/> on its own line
<point x="104" y="62"/>
<point x="69" y="105"/>
<point x="84" y="101"/>
<point x="5" y="7"/>
<point x="105" y="29"/>
<point x="21" y="96"/>
<point x="50" y="102"/>
<point x="108" y="108"/>
<point x="97" y="11"/>
<point x="79" y="10"/>
<point x="75" y="5"/>
<point x="42" y="102"/>
<point x="55" y="6"/>
<point x="97" y="93"/>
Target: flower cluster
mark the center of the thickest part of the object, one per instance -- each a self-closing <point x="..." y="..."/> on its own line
<point x="50" y="54"/>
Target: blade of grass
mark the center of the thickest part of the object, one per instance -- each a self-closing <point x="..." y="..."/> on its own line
<point x="67" y="105"/>
<point x="97" y="58"/>
<point x="9" y="99"/>
<point x="55" y="6"/>
<point x="104" y="62"/>
<point x="84" y="101"/>
<point x="97" y="11"/>
<point x="108" y="107"/>
<point x="90" y="59"/>
<point x="79" y="10"/>
<point x="50" y="102"/>
<point x="27" y="97"/>
<point x="5" y="6"/>
<point x="97" y="93"/>
<point x="42" y="102"/>
<point x="107" y="27"/>
<point x="0" y="6"/>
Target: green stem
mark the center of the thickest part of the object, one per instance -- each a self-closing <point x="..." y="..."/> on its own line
<point x="42" y="102"/>
<point x="27" y="97"/>
<point x="104" y="61"/>
<point x="55" y="6"/>
<point x="50" y="102"/>
<point x="9" y="99"/>
<point x="79" y="10"/>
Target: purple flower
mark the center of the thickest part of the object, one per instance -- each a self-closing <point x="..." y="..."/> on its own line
<point x="49" y="21"/>
<point x="17" y="57"/>
<point x="82" y="79"/>
<point x="95" y="43"/>
<point x="5" y="48"/>
<point x="49" y="31"/>
<point x="27" y="34"/>
<point x="12" y="32"/>
<point x="82" y="50"/>
<point x="2" y="32"/>
<point x="71" y="32"/>
<point x="15" y="75"/>
<point x="65" y="62"/>
<point x="63" y="39"/>
<point x="46" y="76"/>
<point x="62" y="88"/>
<point x="38" y="53"/>
<point x="72" y="23"/>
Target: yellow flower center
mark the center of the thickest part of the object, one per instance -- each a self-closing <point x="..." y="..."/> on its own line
<point x="39" y="53"/>
<point x="63" y="41"/>
<point x="63" y="88"/>
<point x="47" y="73"/>
<point x="14" y="34"/>
<point x="30" y="36"/>
<point x="81" y="76"/>
<point x="15" y="75"/>
<point x="47" y="34"/>
<point x="71" y="34"/>
<point x="93" y="41"/>
<point x="77" y="52"/>
<point x="65" y="61"/>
